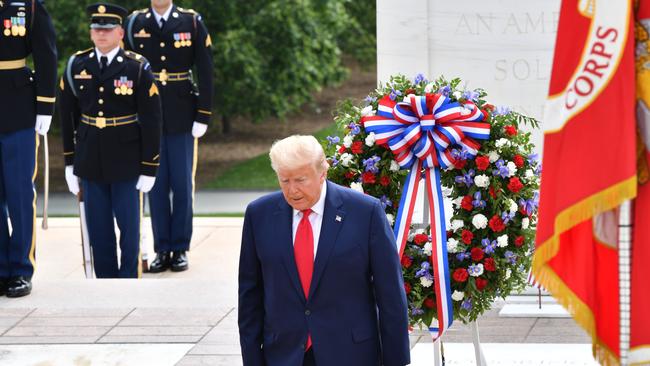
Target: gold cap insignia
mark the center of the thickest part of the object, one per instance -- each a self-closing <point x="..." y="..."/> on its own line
<point x="101" y="9"/>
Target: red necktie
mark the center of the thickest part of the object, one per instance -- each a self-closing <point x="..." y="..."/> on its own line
<point x="303" y="249"/>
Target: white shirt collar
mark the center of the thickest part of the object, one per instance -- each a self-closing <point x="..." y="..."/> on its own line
<point x="111" y="54"/>
<point x="165" y="15"/>
<point x="319" y="207"/>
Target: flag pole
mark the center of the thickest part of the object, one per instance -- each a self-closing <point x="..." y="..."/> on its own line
<point x="624" y="274"/>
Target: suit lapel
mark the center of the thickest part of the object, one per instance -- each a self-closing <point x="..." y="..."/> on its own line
<point x="114" y="67"/>
<point x="151" y="24"/>
<point x="284" y="227"/>
<point x="92" y="65"/>
<point x="332" y="223"/>
<point x="172" y="22"/>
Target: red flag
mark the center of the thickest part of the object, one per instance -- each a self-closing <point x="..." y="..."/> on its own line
<point x="589" y="165"/>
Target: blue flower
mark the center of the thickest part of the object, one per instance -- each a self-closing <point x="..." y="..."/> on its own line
<point x="335" y="161"/>
<point x="470" y="95"/>
<point x="445" y="90"/>
<point x="474" y="269"/>
<point x="530" y="206"/>
<point x="466" y="179"/>
<point x="385" y="202"/>
<point x="501" y="110"/>
<point x="466" y="304"/>
<point x="370" y="164"/>
<point x="417" y="311"/>
<point x="462" y="256"/>
<point x="510" y="257"/>
<point x="533" y="158"/>
<point x="424" y="270"/>
<point x="490" y="246"/>
<point x="394" y="94"/>
<point x="419" y="78"/>
<point x="332" y="140"/>
<point x="501" y="170"/>
<point x="507" y="216"/>
<point x="460" y="154"/>
<point x="478" y="202"/>
<point x="369" y="100"/>
<point x="354" y="128"/>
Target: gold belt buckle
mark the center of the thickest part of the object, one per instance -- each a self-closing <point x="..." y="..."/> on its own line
<point x="163" y="77"/>
<point x="100" y="122"/>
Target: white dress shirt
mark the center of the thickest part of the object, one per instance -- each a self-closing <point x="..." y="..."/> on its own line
<point x="315" y="219"/>
<point x="164" y="16"/>
<point x="110" y="55"/>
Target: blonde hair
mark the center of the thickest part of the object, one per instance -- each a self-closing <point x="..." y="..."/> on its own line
<point x="296" y="151"/>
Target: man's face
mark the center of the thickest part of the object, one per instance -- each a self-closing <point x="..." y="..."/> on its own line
<point x="106" y="39"/>
<point x="161" y="3"/>
<point x="301" y="187"/>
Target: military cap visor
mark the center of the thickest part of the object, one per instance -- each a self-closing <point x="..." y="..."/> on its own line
<point x="106" y="16"/>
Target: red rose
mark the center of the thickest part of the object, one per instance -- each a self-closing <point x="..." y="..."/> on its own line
<point x="342" y="149"/>
<point x="477" y="254"/>
<point x="481" y="283"/>
<point x="496" y="224"/>
<point x="519" y="241"/>
<point x="406" y="261"/>
<point x="429" y="303"/>
<point x="490" y="265"/>
<point x="384" y="181"/>
<point x="511" y="131"/>
<point x="350" y="174"/>
<point x="467" y="236"/>
<point x="357" y="147"/>
<point x="466" y="203"/>
<point x="492" y="192"/>
<point x="368" y="178"/>
<point x="460" y="275"/>
<point x="460" y="164"/>
<point x="421" y="239"/>
<point x="515" y="185"/>
<point x="407" y="288"/>
<point x="482" y="162"/>
<point x="518" y="160"/>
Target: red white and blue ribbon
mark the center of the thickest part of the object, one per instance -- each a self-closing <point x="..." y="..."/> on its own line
<point x="422" y="132"/>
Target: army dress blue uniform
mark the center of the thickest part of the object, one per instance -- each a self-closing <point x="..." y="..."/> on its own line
<point x="24" y="95"/>
<point x="175" y="45"/>
<point x="111" y="121"/>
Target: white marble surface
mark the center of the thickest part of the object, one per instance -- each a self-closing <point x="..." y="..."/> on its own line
<point x="503" y="46"/>
<point x="508" y="354"/>
<point x="95" y="355"/>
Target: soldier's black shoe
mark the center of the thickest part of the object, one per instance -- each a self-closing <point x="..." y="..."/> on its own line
<point x="161" y="263"/>
<point x="179" y="261"/>
<point x="19" y="286"/>
<point x="3" y="285"/>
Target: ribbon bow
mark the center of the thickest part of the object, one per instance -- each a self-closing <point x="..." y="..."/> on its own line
<point x="423" y="132"/>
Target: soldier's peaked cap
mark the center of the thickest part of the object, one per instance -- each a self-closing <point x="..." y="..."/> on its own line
<point x="105" y="15"/>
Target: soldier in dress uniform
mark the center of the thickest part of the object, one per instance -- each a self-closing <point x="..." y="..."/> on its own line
<point x="175" y="40"/>
<point x="111" y="120"/>
<point x="27" y="100"/>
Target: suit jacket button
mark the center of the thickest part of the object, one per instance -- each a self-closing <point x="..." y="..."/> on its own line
<point x="163" y="58"/>
<point x="307" y="312"/>
<point x="162" y="44"/>
<point x="101" y="89"/>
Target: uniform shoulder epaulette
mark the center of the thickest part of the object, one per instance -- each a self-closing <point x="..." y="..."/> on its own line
<point x="140" y="11"/>
<point x="87" y="50"/>
<point x="135" y="56"/>
<point x="188" y="11"/>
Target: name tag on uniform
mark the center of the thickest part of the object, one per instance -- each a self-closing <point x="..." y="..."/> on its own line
<point x="83" y="75"/>
<point x="142" y="34"/>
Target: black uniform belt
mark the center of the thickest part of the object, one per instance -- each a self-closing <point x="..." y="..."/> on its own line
<point x="164" y="76"/>
<point x="101" y="122"/>
<point x="12" y="64"/>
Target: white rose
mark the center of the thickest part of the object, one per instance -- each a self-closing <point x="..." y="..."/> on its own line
<point x="425" y="282"/>
<point x="494" y="156"/>
<point x="501" y="143"/>
<point x="452" y="245"/>
<point x="529" y="174"/>
<point x="390" y="218"/>
<point x="508" y="273"/>
<point x="427" y="248"/>
<point x="502" y="241"/>
<point x="457" y="94"/>
<point x="525" y="222"/>
<point x="428" y="88"/>
<point x="512" y="168"/>
<point x="458" y="295"/>
<point x="346" y="159"/>
<point x="457" y="224"/>
<point x="480" y="270"/>
<point x="482" y="180"/>
<point x="347" y="141"/>
<point x="370" y="139"/>
<point x="446" y="191"/>
<point x="394" y="166"/>
<point x="356" y="186"/>
<point x="411" y="235"/>
<point x="479" y="221"/>
<point x="367" y="111"/>
<point x="513" y="205"/>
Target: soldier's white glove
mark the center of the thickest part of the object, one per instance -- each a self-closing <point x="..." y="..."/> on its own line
<point x="42" y="124"/>
<point x="145" y="183"/>
<point x="198" y="129"/>
<point x="72" y="180"/>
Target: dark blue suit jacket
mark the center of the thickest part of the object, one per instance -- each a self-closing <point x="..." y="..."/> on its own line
<point x="356" y="312"/>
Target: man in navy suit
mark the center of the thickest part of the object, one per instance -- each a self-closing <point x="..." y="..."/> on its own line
<point x="319" y="276"/>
